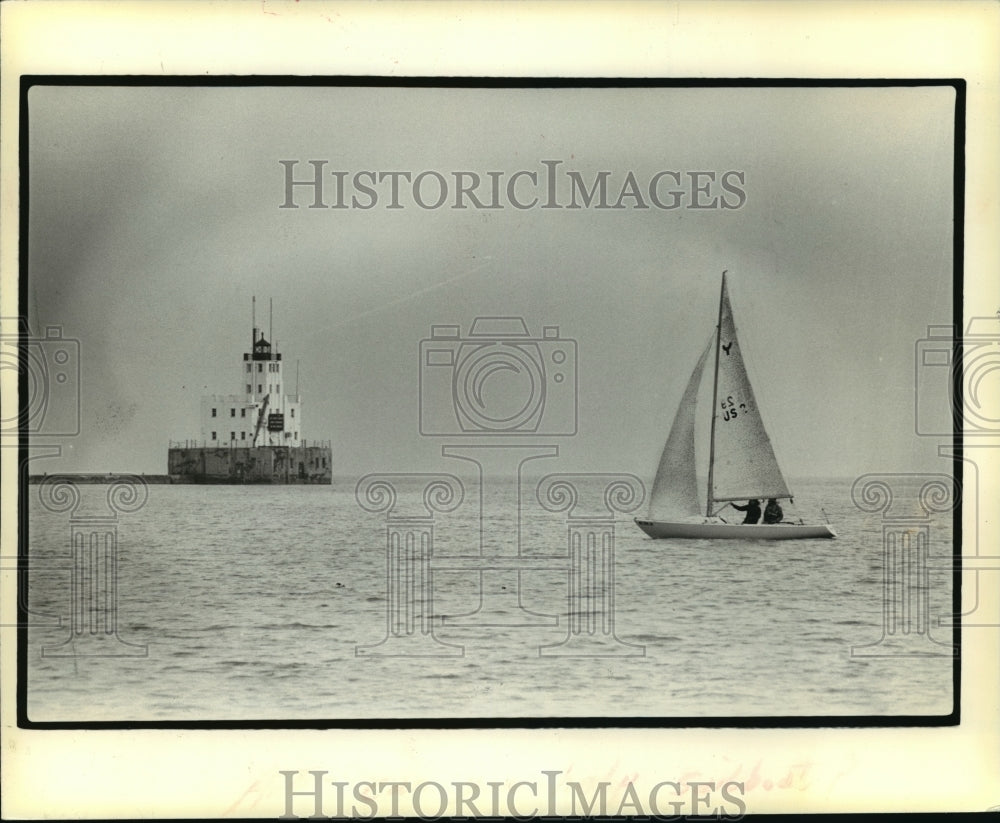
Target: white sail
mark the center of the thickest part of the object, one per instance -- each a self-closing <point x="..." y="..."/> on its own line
<point x="675" y="489"/>
<point x="741" y="460"/>
<point x="744" y="466"/>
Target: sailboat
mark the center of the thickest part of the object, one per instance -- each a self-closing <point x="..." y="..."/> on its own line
<point x="741" y="466"/>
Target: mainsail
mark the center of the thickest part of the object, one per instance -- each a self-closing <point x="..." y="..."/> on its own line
<point x="744" y="465"/>
<point x="675" y="489"/>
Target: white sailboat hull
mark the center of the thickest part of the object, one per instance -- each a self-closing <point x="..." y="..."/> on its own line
<point x="661" y="529"/>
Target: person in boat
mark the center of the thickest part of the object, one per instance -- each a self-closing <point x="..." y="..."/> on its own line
<point x="752" y="508"/>
<point x="773" y="512"/>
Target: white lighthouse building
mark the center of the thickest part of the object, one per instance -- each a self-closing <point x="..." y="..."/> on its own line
<point x="254" y="436"/>
<point x="265" y="414"/>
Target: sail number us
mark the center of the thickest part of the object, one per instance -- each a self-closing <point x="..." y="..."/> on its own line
<point x="731" y="409"/>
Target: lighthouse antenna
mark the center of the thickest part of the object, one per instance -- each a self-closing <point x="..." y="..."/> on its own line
<point x="253" y="316"/>
<point x="270" y="320"/>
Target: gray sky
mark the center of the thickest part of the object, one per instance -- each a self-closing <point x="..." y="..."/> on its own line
<point x="154" y="217"/>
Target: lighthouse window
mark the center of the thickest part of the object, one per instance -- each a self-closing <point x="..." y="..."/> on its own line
<point x="243" y="412"/>
<point x="293" y="412"/>
<point x="260" y="367"/>
<point x="232" y="435"/>
<point x="213" y="412"/>
<point x="232" y="412"/>
<point x="260" y="388"/>
<point x="249" y="388"/>
<point x="214" y="435"/>
<point x="243" y="435"/>
<point x="277" y="388"/>
<point x="249" y="367"/>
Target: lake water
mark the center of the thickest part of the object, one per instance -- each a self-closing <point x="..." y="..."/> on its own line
<point x="253" y="602"/>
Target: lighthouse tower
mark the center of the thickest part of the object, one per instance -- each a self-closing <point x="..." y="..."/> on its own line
<point x="253" y="436"/>
<point x="265" y="413"/>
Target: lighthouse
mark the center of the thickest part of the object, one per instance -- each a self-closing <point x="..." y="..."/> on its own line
<point x="254" y="435"/>
<point x="265" y="413"/>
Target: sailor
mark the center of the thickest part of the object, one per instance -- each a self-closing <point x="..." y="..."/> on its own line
<point x="752" y="508"/>
<point x="773" y="512"/>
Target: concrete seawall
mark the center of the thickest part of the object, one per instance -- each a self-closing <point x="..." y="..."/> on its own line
<point x="282" y="465"/>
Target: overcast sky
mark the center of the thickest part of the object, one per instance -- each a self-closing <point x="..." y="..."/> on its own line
<point x="154" y="216"/>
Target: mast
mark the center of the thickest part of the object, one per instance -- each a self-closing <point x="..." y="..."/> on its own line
<point x="715" y="399"/>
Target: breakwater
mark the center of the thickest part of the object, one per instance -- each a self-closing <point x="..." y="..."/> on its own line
<point x="107" y="477"/>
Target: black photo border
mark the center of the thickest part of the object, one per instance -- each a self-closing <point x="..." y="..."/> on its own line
<point x="953" y="718"/>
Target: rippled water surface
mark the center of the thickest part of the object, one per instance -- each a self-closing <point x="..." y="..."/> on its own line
<point x="269" y="603"/>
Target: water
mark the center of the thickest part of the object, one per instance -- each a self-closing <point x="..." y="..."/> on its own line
<point x="251" y="602"/>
